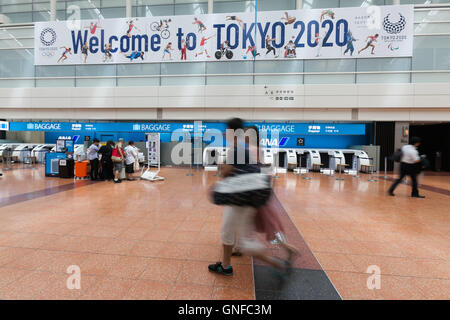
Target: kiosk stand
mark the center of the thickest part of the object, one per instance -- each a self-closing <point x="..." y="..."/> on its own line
<point x="153" y="158"/>
<point x="7" y="159"/>
<point x="371" y="171"/>
<point x="340" y="169"/>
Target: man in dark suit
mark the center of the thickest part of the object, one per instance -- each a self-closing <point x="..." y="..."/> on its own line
<point x="106" y="162"/>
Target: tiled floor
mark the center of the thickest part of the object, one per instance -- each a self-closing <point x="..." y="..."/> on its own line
<point x="352" y="224"/>
<point x="142" y="240"/>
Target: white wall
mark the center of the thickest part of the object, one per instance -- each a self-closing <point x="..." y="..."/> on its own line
<point x="366" y="102"/>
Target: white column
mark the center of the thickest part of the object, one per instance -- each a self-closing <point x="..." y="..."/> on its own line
<point x="299" y="4"/>
<point x="129" y="11"/>
<point x="52" y="10"/>
<point x="210" y="6"/>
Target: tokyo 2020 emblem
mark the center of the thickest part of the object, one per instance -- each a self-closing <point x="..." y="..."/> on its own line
<point x="48" y="37"/>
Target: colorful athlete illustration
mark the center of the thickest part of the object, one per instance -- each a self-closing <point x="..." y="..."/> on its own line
<point x="131" y="25"/>
<point x="201" y="26"/>
<point x="252" y="50"/>
<point x="319" y="44"/>
<point x="235" y="18"/>
<point x="289" y="20"/>
<point x="269" y="46"/>
<point x="167" y="50"/>
<point x="183" y="49"/>
<point x="84" y="51"/>
<point x="350" y="40"/>
<point x="290" y="50"/>
<point x="64" y="54"/>
<point x="202" y="46"/>
<point x="108" y="55"/>
<point x="134" y="55"/>
<point x="327" y="12"/>
<point x="93" y="27"/>
<point x="162" y="26"/>
<point x="225" y="50"/>
<point x="370" y="43"/>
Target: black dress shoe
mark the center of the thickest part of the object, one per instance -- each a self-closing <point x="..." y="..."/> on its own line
<point x="417" y="196"/>
<point x="391" y="193"/>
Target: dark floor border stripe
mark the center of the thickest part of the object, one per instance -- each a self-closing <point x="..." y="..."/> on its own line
<point x="18" y="198"/>
<point x="445" y="192"/>
<point x="306" y="280"/>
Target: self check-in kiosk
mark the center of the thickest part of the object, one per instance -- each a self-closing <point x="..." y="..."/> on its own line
<point x="38" y="153"/>
<point x="360" y="160"/>
<point x="268" y="156"/>
<point x="22" y="153"/>
<point x="313" y="160"/>
<point x="337" y="159"/>
<point x="213" y="156"/>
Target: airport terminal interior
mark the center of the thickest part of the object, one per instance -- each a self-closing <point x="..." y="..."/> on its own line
<point x="115" y="144"/>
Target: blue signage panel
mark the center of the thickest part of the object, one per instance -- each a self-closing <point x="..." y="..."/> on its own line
<point x="168" y="127"/>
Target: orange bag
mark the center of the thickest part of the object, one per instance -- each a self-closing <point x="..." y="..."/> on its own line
<point x="81" y="169"/>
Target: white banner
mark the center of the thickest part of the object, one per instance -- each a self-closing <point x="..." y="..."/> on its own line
<point x="362" y="32"/>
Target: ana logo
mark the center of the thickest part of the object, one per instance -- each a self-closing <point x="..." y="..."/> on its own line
<point x="394" y="27"/>
<point x="48" y="37"/>
<point x="274" y="142"/>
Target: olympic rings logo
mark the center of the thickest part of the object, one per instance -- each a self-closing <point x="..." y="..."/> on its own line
<point x="44" y="37"/>
<point x="48" y="54"/>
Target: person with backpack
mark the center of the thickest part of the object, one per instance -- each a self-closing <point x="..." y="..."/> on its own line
<point x="410" y="165"/>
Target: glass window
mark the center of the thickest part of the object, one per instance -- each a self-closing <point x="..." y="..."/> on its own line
<point x="16" y="33"/>
<point x="282" y="66"/>
<point x="230" y="67"/>
<point x="16" y="43"/>
<point x="320" y="4"/>
<point x="16" y="83"/>
<point x="149" y="11"/>
<point x="391" y="2"/>
<point x="360" y="3"/>
<point x="332" y="65"/>
<point x="225" y="6"/>
<point x="384" y="64"/>
<point x="191" y="8"/>
<point x="111" y="13"/>
<point x="431" y="53"/>
<point x="95" y="70"/>
<point x="55" y="71"/>
<point x="138" y="69"/>
<point x="19" y="17"/>
<point x="17" y="63"/>
<point x="183" y="68"/>
<point x="432" y="15"/>
<point x="272" y="5"/>
<point x="431" y="77"/>
<point x="384" y="78"/>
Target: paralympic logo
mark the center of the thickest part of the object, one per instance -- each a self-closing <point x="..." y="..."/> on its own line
<point x="394" y="27"/>
<point x="48" y="37"/>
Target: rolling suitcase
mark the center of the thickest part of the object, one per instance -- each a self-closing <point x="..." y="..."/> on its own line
<point x="66" y="168"/>
<point x="81" y="169"/>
